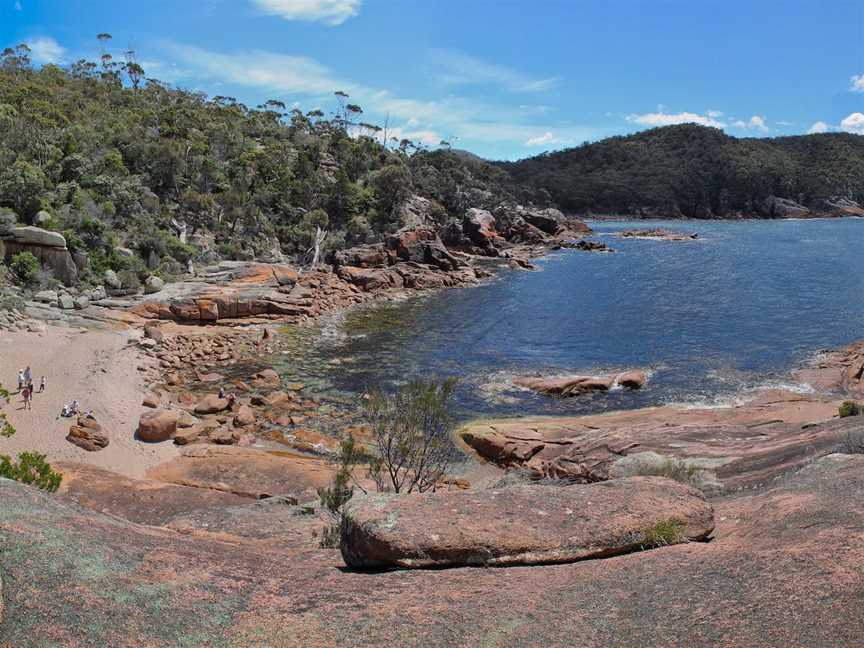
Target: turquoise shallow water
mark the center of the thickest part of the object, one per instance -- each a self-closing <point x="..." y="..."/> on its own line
<point x="735" y="310"/>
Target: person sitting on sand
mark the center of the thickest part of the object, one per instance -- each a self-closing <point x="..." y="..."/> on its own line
<point x="69" y="409"/>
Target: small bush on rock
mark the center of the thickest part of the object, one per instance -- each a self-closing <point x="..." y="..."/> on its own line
<point x="679" y="471"/>
<point x="849" y="408"/>
<point x="32" y="469"/>
<point x="663" y="534"/>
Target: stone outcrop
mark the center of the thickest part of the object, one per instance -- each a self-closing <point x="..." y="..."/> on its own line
<point x="776" y="207"/>
<point x="657" y="234"/>
<point x="157" y="425"/>
<point x="421" y="245"/>
<point x="840" y="371"/>
<point x="49" y="247"/>
<point x="88" y="434"/>
<point x="544" y="524"/>
<point x="417" y="211"/>
<point x="575" y="385"/>
<point x="740" y="446"/>
<point x="479" y="226"/>
<point x="839" y="207"/>
<point x="211" y="404"/>
<point x="362" y="256"/>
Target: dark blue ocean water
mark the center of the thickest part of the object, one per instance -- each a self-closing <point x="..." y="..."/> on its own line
<point x="735" y="310"/>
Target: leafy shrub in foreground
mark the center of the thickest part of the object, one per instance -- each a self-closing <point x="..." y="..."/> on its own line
<point x="32" y="469"/>
<point x="849" y="408"/>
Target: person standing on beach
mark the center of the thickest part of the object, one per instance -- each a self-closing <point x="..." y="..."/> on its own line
<point x="28" y="375"/>
<point x="20" y="380"/>
<point x="27" y="393"/>
<point x="42" y="385"/>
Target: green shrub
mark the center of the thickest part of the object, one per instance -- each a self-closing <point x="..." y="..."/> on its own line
<point x="849" y="408"/>
<point x="129" y="279"/>
<point x="412" y="430"/>
<point x="335" y="497"/>
<point x="25" y="266"/>
<point x="663" y="534"/>
<point x="6" y="429"/>
<point x="32" y="469"/>
<point x="679" y="471"/>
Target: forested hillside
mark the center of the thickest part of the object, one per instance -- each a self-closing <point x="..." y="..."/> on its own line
<point x="113" y="160"/>
<point x="699" y="172"/>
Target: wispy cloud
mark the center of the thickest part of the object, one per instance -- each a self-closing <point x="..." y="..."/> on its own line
<point x="332" y="12"/>
<point x="462" y="69"/>
<point x="856" y="83"/>
<point x="818" y="127"/>
<point x="45" y="49"/>
<point x="669" y="119"/>
<point x="429" y="120"/>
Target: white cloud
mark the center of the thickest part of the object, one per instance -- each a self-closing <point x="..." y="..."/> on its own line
<point x="853" y="123"/>
<point x="818" y="127"/>
<point x="332" y="12"/>
<point x="541" y="140"/>
<point x="857" y="83"/>
<point x="461" y="69"/>
<point x="714" y="114"/>
<point x="45" y="49"/>
<point x="667" y="119"/>
<point x="757" y="122"/>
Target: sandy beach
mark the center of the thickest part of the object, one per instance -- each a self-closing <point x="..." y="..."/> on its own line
<point x="98" y="368"/>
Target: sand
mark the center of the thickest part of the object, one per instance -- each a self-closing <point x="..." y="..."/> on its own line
<point x="97" y="367"/>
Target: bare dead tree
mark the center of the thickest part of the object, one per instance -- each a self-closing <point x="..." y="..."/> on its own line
<point x="320" y="235"/>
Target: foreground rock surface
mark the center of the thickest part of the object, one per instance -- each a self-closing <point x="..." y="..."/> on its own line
<point x="783" y="571"/>
<point x="519" y="525"/>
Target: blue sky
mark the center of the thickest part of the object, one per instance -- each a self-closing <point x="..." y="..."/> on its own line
<point x="503" y="78"/>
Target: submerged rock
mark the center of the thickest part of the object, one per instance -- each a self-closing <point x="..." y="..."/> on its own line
<point x="544" y="524"/>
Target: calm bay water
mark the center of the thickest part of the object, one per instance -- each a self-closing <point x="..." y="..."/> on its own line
<point x="735" y="310"/>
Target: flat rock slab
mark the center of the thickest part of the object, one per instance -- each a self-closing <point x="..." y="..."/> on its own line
<point x="520" y="525"/>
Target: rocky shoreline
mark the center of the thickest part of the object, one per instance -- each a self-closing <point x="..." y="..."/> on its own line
<point x="592" y="502"/>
